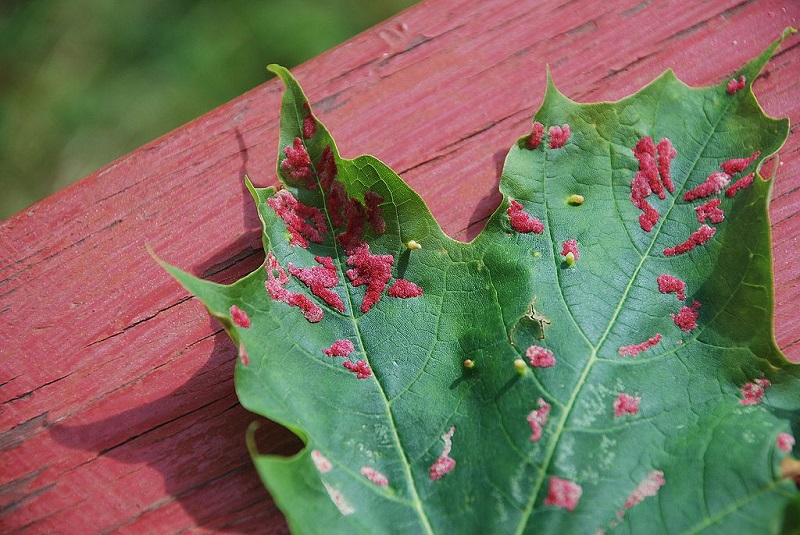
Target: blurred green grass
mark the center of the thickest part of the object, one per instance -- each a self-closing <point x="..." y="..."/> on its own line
<point x="83" y="82"/>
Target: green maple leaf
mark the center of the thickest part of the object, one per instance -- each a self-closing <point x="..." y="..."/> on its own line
<point x="600" y="357"/>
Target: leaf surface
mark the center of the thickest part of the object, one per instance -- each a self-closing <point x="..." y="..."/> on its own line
<point x="600" y="357"/>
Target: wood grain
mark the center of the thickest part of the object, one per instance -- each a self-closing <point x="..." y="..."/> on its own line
<point x="118" y="410"/>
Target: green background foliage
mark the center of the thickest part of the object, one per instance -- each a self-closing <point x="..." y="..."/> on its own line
<point x="85" y="81"/>
<point x="719" y="457"/>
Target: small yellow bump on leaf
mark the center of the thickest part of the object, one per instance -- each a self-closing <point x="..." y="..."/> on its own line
<point x="575" y="200"/>
<point x="537" y="254"/>
<point x="469" y="364"/>
<point x="413" y="245"/>
<point x="790" y="468"/>
<point x="569" y="259"/>
<point x="520" y="366"/>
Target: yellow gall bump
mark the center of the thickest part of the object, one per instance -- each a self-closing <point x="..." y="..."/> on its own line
<point x="520" y="366"/>
<point x="469" y="364"/>
<point x="413" y="245"/>
<point x="569" y="259"/>
<point x="537" y="254"/>
<point x="575" y="200"/>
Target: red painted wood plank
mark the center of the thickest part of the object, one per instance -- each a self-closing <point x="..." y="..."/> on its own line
<point x="118" y="406"/>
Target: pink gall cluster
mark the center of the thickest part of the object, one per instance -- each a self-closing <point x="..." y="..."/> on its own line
<point x="698" y="237"/>
<point x="559" y="135"/>
<point x="535" y="137"/>
<point x="634" y="349"/>
<point x="626" y="404"/>
<point x="537" y="418"/>
<point x="563" y="493"/>
<point x="327" y="170"/>
<point x="277" y="292"/>
<point x="297" y="164"/>
<point x="669" y="284"/>
<point x="666" y="153"/>
<point x="711" y="186"/>
<point x="374" y="476"/>
<point x="540" y="357"/>
<point x="372" y="270"/>
<point x="360" y="368"/>
<point x="570" y="246"/>
<point x="340" y="348"/>
<point x="648" y="487"/>
<point x="711" y="211"/>
<point x="521" y="221"/>
<point x="321" y="462"/>
<point x="404" y="289"/>
<point x="303" y="222"/>
<point x="742" y="183"/>
<point x="653" y="176"/>
<point x="320" y="279"/>
<point x="309" y="123"/>
<point x="444" y="463"/>
<point x="357" y="217"/>
<point x="244" y="358"/>
<point x="686" y="318"/>
<point x="754" y="391"/>
<point x="737" y="165"/>
<point x="785" y="442"/>
<point x="239" y="317"/>
<point x="734" y="85"/>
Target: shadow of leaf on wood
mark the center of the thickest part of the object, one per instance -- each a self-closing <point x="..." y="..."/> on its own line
<point x="195" y="437"/>
<point x="489" y="202"/>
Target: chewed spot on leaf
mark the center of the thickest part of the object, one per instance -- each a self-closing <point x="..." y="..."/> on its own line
<point x="340" y="348"/>
<point x="404" y="289"/>
<point x="563" y="493"/>
<point x="540" y="357"/>
<point x="444" y="463"/>
<point x="785" y="442"/>
<point x="537" y="418"/>
<point x="522" y="221"/>
<point x="626" y="404"/>
<point x="360" y="368"/>
<point x="239" y="317"/>
<point x="634" y="349"/>
<point x="374" y="476"/>
<point x="753" y="392"/>
<point x="321" y="462"/>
